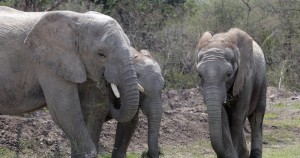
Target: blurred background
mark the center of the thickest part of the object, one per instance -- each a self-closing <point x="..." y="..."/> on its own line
<point x="170" y="29"/>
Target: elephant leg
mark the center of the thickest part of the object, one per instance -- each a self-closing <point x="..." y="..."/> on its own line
<point x="238" y="113"/>
<point x="154" y="120"/>
<point x="237" y="121"/>
<point x="94" y="105"/>
<point x="256" y="120"/>
<point x="230" y="151"/>
<point x="123" y="136"/>
<point x="238" y="138"/>
<point x="64" y="105"/>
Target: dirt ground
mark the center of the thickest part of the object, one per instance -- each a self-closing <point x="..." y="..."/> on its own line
<point x="184" y="122"/>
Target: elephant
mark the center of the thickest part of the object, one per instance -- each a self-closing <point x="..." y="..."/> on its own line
<point x="55" y="58"/>
<point x="231" y="67"/>
<point x="152" y="83"/>
<point x="150" y="78"/>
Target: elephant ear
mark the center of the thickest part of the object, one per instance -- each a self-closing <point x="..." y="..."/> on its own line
<point x="205" y="38"/>
<point x="134" y="55"/>
<point x="245" y="58"/>
<point x="146" y="53"/>
<point x="53" y="44"/>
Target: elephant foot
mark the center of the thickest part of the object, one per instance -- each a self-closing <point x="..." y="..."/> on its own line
<point x="118" y="154"/>
<point x="255" y="153"/>
<point x="147" y="154"/>
<point x="92" y="154"/>
<point x="100" y="149"/>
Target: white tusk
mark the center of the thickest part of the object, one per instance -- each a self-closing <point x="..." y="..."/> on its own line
<point x="115" y="90"/>
<point x="141" y="88"/>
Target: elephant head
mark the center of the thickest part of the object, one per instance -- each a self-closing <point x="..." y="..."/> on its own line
<point x="224" y="62"/>
<point x="78" y="47"/>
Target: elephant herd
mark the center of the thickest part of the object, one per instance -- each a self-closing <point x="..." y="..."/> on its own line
<point x="82" y="67"/>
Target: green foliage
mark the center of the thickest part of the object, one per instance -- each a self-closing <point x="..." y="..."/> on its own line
<point x="171" y="29"/>
<point x="263" y="21"/>
<point x="177" y="79"/>
<point x="9" y="3"/>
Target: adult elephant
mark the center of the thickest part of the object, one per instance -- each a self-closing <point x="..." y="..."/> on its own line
<point x="231" y="66"/>
<point x="46" y="56"/>
<point x="151" y="81"/>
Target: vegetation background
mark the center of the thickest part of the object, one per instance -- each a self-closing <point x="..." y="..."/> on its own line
<point x="171" y="29"/>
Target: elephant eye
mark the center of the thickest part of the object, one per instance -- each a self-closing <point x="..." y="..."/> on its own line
<point x="199" y="75"/>
<point x="228" y="75"/>
<point x="102" y="56"/>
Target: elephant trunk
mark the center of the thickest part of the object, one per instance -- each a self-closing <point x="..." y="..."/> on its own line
<point x="213" y="99"/>
<point x="154" y="120"/>
<point x="129" y="94"/>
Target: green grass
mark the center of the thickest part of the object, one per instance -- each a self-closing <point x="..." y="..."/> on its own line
<point x="201" y="149"/>
<point x="282" y="141"/>
<point x="7" y="153"/>
<point x="271" y="116"/>
<point x="129" y="155"/>
<point x="285" y="123"/>
<point x="296" y="105"/>
<point x="280" y="105"/>
<point x="288" y="151"/>
<point x="278" y="136"/>
<point x="29" y="144"/>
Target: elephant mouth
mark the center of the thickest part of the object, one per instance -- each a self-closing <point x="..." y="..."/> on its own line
<point x="114" y="98"/>
<point x="114" y="95"/>
<point x="116" y="92"/>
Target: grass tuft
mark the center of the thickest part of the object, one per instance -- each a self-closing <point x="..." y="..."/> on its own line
<point x="7" y="153"/>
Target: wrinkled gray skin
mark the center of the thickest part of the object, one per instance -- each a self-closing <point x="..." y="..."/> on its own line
<point x="150" y="78"/>
<point x="232" y="70"/>
<point x="53" y="59"/>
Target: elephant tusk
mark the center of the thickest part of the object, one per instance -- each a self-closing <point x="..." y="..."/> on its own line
<point x="115" y="90"/>
<point x="141" y="88"/>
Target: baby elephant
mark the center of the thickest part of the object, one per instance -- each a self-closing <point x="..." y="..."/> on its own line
<point x="150" y="78"/>
<point x="231" y="66"/>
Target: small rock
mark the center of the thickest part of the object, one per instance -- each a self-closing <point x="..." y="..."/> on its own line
<point x="169" y="112"/>
<point x="294" y="98"/>
<point x="272" y="97"/>
<point x="49" y="142"/>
